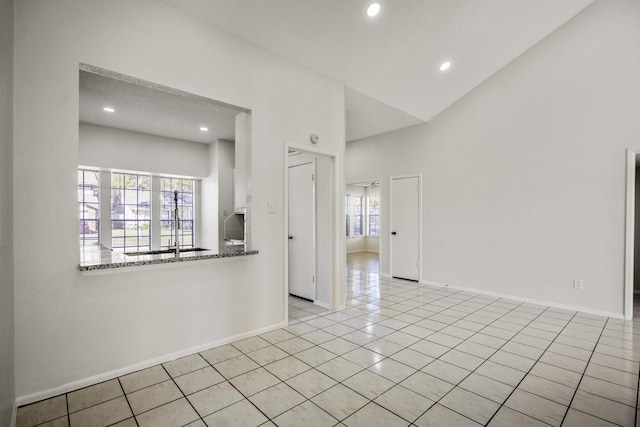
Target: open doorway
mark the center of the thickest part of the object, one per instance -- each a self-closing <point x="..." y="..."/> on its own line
<point x="363" y="223"/>
<point x="311" y="284"/>
<point x="632" y="237"/>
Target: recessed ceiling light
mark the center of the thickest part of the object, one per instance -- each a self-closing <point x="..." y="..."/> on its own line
<point x="445" y="66"/>
<point x="204" y="129"/>
<point x="109" y="109"/>
<point x="373" y="9"/>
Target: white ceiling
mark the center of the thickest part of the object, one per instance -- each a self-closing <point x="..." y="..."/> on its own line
<point x="391" y="62"/>
<point x="148" y="108"/>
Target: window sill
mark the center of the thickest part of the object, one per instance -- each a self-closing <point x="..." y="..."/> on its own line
<point x="94" y="259"/>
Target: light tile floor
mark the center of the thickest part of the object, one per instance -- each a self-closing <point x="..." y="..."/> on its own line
<point x="400" y="354"/>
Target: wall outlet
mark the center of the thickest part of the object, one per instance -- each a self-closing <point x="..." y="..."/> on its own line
<point x="577" y="284"/>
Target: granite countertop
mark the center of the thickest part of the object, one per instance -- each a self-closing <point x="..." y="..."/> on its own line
<point x="94" y="258"/>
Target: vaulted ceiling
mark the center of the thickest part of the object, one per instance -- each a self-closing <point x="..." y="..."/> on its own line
<point x="390" y="63"/>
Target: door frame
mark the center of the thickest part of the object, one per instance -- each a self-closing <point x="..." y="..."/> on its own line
<point x="338" y="261"/>
<point x="629" y="233"/>
<point x="314" y="227"/>
<point x="391" y="178"/>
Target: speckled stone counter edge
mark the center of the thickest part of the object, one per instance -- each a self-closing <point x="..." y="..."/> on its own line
<point x="110" y="265"/>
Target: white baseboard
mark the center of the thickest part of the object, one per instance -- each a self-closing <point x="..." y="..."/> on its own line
<point x="385" y="275"/>
<point x="323" y="304"/>
<point x="95" y="379"/>
<point x="524" y="299"/>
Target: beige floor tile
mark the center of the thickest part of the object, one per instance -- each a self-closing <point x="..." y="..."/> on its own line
<point x="537" y="407"/>
<point x="604" y="408"/>
<point x="580" y="419"/>
<point x="404" y="402"/>
<point x="277" y="399"/>
<point x="250" y="344"/>
<point x="267" y="355"/>
<point x="607" y="389"/>
<point x="392" y="370"/>
<point x="240" y="414"/>
<point x="340" y="401"/>
<point x="384" y="347"/>
<point x="359" y="337"/>
<point x="368" y="384"/>
<point x="311" y="383"/>
<point x="476" y="349"/>
<point x="548" y="389"/>
<point x="198" y="380"/>
<point x="277" y="336"/>
<point x="487" y="387"/>
<point x="237" y="366"/>
<point x="294" y="345"/>
<point x="287" y="368"/>
<point x="412" y="358"/>
<point x="318" y="337"/>
<point x="305" y="414"/>
<point x="470" y="405"/>
<point x="440" y="416"/>
<point x="556" y="374"/>
<point x="429" y="348"/>
<point x="446" y="371"/>
<point x="339" y="368"/>
<point x="363" y="357"/>
<point x="93" y="395"/>
<point x="462" y="360"/>
<point x="220" y="354"/>
<point x="427" y="385"/>
<point x="145" y="378"/>
<point x="507" y="417"/>
<point x="402" y="338"/>
<point x="59" y="422"/>
<point x="339" y="346"/>
<point x="185" y="365"/>
<point x="103" y="414"/>
<point x="613" y="375"/>
<point x="564" y="362"/>
<point x="214" y="398"/>
<point x="176" y="413"/>
<point x="514" y="361"/>
<point x="129" y="422"/>
<point x="254" y="381"/>
<point x="315" y="356"/>
<point x="372" y="415"/>
<point x="37" y="413"/>
<point x="153" y="396"/>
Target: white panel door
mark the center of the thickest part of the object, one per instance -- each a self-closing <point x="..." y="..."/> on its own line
<point x="405" y="228"/>
<point x="302" y="255"/>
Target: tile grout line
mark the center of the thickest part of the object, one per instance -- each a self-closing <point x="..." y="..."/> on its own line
<point x="228" y="380"/>
<point x="128" y="403"/>
<point x="530" y="369"/>
<point x="583" y="373"/>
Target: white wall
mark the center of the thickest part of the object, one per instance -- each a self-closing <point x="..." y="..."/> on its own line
<point x="107" y="147"/>
<point x="324" y="225"/>
<point x="7" y="354"/>
<point x="70" y="327"/>
<point x="526" y="174"/>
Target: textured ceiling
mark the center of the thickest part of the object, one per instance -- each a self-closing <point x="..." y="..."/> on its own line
<point x="393" y="58"/>
<point x="148" y="108"/>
